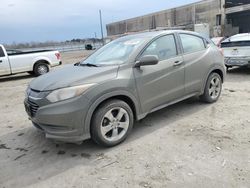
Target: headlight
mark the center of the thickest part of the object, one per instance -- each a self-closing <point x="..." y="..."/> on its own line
<point x="67" y="93"/>
<point x="27" y="92"/>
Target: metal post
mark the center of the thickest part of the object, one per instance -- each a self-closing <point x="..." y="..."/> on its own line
<point x="95" y="40"/>
<point x="100" y="13"/>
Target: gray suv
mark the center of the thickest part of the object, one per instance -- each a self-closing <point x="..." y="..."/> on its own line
<point x="122" y="82"/>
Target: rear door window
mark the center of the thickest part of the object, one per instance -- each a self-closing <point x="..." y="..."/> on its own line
<point x="1" y="52"/>
<point x="163" y="47"/>
<point x="192" y="43"/>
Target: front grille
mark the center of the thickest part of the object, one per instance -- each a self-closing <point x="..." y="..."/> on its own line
<point x="33" y="108"/>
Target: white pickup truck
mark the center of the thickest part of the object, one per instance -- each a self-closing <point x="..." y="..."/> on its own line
<point x="33" y="62"/>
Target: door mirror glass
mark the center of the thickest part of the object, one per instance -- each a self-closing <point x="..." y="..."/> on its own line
<point x="147" y="60"/>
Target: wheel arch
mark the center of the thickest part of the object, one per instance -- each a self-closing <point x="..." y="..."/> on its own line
<point x="40" y="61"/>
<point x="216" y="69"/>
<point x="123" y="96"/>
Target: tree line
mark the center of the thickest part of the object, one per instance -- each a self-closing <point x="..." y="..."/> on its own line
<point x="76" y="41"/>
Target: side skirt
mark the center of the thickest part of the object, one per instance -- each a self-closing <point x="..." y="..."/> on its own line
<point x="141" y="116"/>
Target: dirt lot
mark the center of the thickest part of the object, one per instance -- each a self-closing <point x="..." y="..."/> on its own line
<point x="189" y="144"/>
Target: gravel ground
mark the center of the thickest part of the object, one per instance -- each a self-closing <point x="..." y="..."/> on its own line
<point x="189" y="144"/>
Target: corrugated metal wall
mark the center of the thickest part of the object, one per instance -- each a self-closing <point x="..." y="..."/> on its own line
<point x="185" y="16"/>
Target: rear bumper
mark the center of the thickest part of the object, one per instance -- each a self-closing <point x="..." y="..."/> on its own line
<point x="237" y="61"/>
<point x="56" y="64"/>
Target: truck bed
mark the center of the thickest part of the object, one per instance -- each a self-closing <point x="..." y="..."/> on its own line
<point x="28" y="52"/>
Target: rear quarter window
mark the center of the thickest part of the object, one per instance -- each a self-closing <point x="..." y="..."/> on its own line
<point x="192" y="43"/>
<point x="1" y="52"/>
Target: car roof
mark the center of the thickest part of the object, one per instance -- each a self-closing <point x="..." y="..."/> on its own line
<point x="152" y="34"/>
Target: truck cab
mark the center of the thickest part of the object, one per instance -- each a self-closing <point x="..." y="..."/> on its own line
<point x="5" y="68"/>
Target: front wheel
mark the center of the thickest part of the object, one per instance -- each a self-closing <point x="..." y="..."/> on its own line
<point x="112" y="123"/>
<point x="213" y="88"/>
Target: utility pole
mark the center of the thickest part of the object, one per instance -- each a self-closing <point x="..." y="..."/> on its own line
<point x="95" y="39"/>
<point x="100" y="13"/>
<point x="223" y="17"/>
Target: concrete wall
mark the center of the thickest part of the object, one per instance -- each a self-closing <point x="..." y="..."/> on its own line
<point x="206" y="13"/>
<point x="237" y="19"/>
<point x="184" y="17"/>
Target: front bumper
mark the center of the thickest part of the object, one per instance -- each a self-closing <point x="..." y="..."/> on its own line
<point x="237" y="61"/>
<point x="62" y="121"/>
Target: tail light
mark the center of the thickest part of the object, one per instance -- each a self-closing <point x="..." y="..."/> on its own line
<point x="221" y="51"/>
<point x="58" y="56"/>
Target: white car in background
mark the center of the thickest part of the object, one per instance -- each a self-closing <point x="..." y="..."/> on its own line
<point x="33" y="62"/>
<point x="237" y="50"/>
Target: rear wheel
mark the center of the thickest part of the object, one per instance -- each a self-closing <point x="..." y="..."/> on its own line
<point x="213" y="88"/>
<point x="111" y="123"/>
<point x="41" y="68"/>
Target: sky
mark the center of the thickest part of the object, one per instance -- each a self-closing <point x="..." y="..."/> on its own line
<point x="59" y="20"/>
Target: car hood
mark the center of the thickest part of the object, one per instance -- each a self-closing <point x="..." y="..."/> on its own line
<point x="73" y="76"/>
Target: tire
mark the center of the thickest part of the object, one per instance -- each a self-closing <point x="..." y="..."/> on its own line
<point x="213" y="88"/>
<point x="107" y="129"/>
<point x="41" y="68"/>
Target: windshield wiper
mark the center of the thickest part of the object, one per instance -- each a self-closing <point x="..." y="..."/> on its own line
<point x="89" y="65"/>
<point x="85" y="64"/>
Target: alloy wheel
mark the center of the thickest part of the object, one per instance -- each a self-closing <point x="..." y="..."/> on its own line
<point x="115" y="124"/>
<point x="42" y="69"/>
<point x="215" y="88"/>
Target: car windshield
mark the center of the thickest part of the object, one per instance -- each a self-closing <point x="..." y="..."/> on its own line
<point x="116" y="52"/>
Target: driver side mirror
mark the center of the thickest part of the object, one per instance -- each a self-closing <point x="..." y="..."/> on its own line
<point x="147" y="60"/>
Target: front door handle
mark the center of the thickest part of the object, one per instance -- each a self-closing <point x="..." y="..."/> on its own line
<point x="178" y="63"/>
<point x="1" y="61"/>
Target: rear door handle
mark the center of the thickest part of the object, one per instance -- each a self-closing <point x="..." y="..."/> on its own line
<point x="1" y="61"/>
<point x="178" y="63"/>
